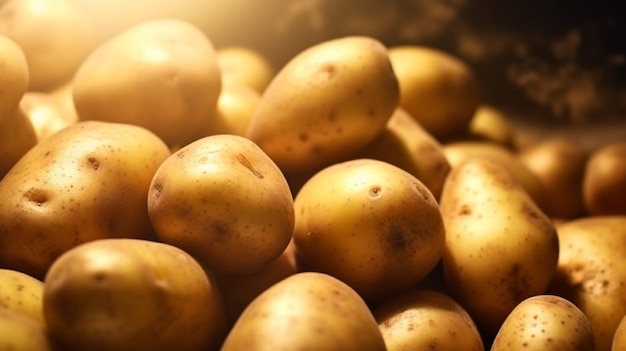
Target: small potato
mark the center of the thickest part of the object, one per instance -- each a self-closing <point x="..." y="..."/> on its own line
<point x="130" y="294"/>
<point x="369" y="223"/>
<point x="491" y="124"/>
<point x="591" y="272"/>
<point x="245" y="66"/>
<point x="222" y="199"/>
<point x="500" y="247"/>
<point x="19" y="332"/>
<point x="426" y="320"/>
<point x="306" y="311"/>
<point x="325" y="104"/>
<point x="545" y="323"/>
<point x="404" y="143"/>
<point x="47" y="112"/>
<point x="604" y="183"/>
<point x="235" y="108"/>
<point x="17" y="137"/>
<point x="437" y="89"/>
<point x="21" y="293"/>
<point x="14" y="77"/>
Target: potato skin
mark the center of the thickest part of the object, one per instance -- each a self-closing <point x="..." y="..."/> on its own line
<point x="21" y="293"/>
<point x="325" y="104"/>
<point x="131" y="294"/>
<point x="604" y="183"/>
<point x="89" y="181"/>
<point x="21" y="332"/>
<point x="545" y="323"/>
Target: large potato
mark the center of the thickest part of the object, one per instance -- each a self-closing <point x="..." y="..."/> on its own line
<point x="604" y="182"/>
<point x="54" y="34"/>
<point x="306" y="311"/>
<point x="426" y="320"/>
<point x="88" y="181"/>
<point x="20" y="332"/>
<point x="370" y="224"/>
<point x="436" y="88"/>
<point x="161" y="74"/>
<point x="222" y="199"/>
<point x="500" y="247"/>
<point x="545" y="323"/>
<point x="21" y="293"/>
<point x="591" y="272"/>
<point x="130" y="294"/>
<point x="325" y="104"/>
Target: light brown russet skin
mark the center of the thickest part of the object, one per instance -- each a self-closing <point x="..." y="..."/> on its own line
<point x="88" y="181"/>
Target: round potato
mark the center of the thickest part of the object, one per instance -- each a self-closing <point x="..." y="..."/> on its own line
<point x="245" y="66"/>
<point x="21" y="332"/>
<point x="604" y="183"/>
<point x="369" y="223"/>
<point x="235" y="108"/>
<point x="491" y="124"/>
<point x="222" y="199"/>
<point x="22" y="293"/>
<point x="130" y="294"/>
<point x="325" y="104"/>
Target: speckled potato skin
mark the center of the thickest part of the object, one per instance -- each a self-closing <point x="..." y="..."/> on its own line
<point x="89" y="181"/>
<point x="130" y="294"/>
<point x="545" y="323"/>
<point x="325" y="104"/>
<point x="591" y="271"/>
<point x="222" y="199"/>
<point x="21" y="332"/>
<point x="500" y="247"/>
<point x="426" y="320"/>
<point x="21" y="293"/>
<point x="306" y="311"/>
<point x="370" y="224"/>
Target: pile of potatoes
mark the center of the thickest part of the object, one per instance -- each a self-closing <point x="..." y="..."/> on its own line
<point x="158" y="193"/>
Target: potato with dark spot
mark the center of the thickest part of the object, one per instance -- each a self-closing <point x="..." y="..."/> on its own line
<point x="325" y="104"/>
<point x="131" y="294"/>
<point x="306" y="311"/>
<point x="369" y="223"/>
<point x="222" y="199"/>
<point x="545" y="323"/>
<point x="426" y="320"/>
<point x="500" y="247"/>
<point x="89" y="181"/>
<point x="21" y="293"/>
<point x="604" y="183"/>
<point x="591" y="272"/>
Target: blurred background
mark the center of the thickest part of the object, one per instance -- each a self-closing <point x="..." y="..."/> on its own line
<point x="555" y="63"/>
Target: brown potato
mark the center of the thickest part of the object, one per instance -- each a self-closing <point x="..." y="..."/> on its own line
<point x="604" y="184"/>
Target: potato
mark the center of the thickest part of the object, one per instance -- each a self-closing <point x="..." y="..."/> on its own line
<point x="222" y="199"/>
<point x="404" y="143"/>
<point x="458" y="151"/>
<point x="604" y="182"/>
<point x="489" y="123"/>
<point x="436" y="88"/>
<point x="20" y="332"/>
<point x="370" y="224"/>
<point x="619" y="337"/>
<point x="235" y="107"/>
<point x="131" y="294"/>
<point x="21" y="293"/>
<point x="47" y="112"/>
<point x="306" y="311"/>
<point x="54" y="34"/>
<point x="161" y="74"/>
<point x="325" y="104"/>
<point x="591" y="272"/>
<point x="14" y="76"/>
<point x="86" y="182"/>
<point x="245" y="66"/>
<point x="426" y="320"/>
<point x="545" y="323"/>
<point x="560" y="165"/>
<point x="17" y="137"/>
<point x="500" y="247"/>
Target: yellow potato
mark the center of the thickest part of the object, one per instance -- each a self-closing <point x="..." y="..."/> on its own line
<point x="47" y="112"/>
<point x="560" y="165"/>
<point x="619" y="337"/>
<point x="88" y="181"/>
<point x="21" y="293"/>
<point x="325" y="104"/>
<point x="245" y="66"/>
<point x="20" y="332"/>
<point x="17" y="137"/>
<point x="491" y="124"/>
<point x="14" y="77"/>
<point x="370" y="224"/>
<point x="591" y="272"/>
<point x="436" y="88"/>
<point x="500" y="247"/>
<point x="222" y="199"/>
<point x="604" y="182"/>
<point x="130" y="294"/>
<point x="54" y="34"/>
<point x="426" y="320"/>
<point x="404" y="143"/>
<point x="160" y="74"/>
<point x="235" y="107"/>
<point x="306" y="311"/>
<point x="545" y="323"/>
